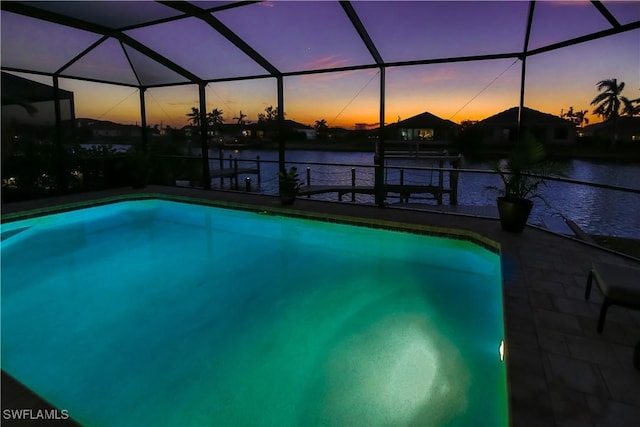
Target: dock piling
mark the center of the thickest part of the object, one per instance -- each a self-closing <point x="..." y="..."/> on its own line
<point x="258" y="170"/>
<point x="235" y="172"/>
<point x="353" y="184"/>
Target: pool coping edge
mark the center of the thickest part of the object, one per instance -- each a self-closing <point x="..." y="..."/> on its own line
<point x="423" y="229"/>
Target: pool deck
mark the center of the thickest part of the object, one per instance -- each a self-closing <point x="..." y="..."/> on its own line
<point x="561" y="372"/>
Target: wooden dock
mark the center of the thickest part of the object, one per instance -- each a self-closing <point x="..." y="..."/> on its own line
<point x="310" y="190"/>
<point x="232" y="172"/>
<point x="404" y="191"/>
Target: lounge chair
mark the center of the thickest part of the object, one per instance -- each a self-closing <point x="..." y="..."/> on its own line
<point x="620" y="285"/>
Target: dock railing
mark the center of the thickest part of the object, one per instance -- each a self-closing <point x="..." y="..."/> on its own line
<point x="401" y="181"/>
<point x="235" y="168"/>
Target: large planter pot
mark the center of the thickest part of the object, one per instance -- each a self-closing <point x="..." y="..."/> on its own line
<point x="514" y="213"/>
<point x="287" y="198"/>
<point x="288" y="192"/>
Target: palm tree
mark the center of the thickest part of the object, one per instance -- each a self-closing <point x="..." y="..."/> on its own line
<point x="569" y="114"/>
<point x="214" y="118"/>
<point x="321" y="128"/>
<point x="580" y="117"/>
<point x="271" y="113"/>
<point x="631" y="107"/>
<point x="194" y="116"/>
<point x="240" y="118"/>
<point x="576" y="117"/>
<point x="609" y="99"/>
<point x="608" y="103"/>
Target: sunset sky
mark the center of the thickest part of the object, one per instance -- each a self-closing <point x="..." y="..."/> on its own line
<point x="297" y="36"/>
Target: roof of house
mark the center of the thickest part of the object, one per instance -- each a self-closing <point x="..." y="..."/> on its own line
<point x="530" y="117"/>
<point x="622" y="124"/>
<point x="288" y="124"/>
<point x="102" y="124"/>
<point x="296" y="125"/>
<point x="424" y="120"/>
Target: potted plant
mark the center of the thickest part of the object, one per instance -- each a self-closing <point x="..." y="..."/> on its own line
<point x="289" y="185"/>
<point x="521" y="179"/>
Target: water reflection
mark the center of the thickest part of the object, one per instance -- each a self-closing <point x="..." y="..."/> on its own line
<point x="595" y="210"/>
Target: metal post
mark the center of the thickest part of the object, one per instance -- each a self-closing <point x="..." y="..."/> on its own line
<point x="235" y="172"/>
<point x="60" y="152"/>
<point x="402" y="199"/>
<point x="521" y="106"/>
<point x="258" y="168"/>
<point x="525" y="49"/>
<point x="247" y="184"/>
<point x="143" y="121"/>
<point x="204" y="144"/>
<point x="353" y="184"/>
<point x="440" y="181"/>
<point x="280" y="127"/>
<point x="221" y="161"/>
<point x="454" y="182"/>
<point x="378" y="158"/>
<point x="308" y="176"/>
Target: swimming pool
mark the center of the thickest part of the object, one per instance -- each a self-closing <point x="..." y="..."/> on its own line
<point x="163" y="313"/>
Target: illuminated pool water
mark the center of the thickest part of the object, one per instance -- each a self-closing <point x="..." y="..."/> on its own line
<point x="153" y="313"/>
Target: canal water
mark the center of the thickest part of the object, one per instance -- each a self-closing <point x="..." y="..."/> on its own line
<point x="596" y="210"/>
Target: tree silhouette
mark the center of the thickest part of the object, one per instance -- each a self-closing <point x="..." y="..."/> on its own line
<point x="578" y="118"/>
<point x="240" y="118"/>
<point x="214" y="118"/>
<point x="467" y="123"/>
<point x="321" y="128"/>
<point x="608" y="101"/>
<point x="581" y="118"/>
<point x="630" y="107"/>
<point x="194" y="116"/>
<point x="271" y="113"/>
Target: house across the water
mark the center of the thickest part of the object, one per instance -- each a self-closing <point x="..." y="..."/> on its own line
<point x="502" y="128"/>
<point x="623" y="129"/>
<point x="423" y="127"/>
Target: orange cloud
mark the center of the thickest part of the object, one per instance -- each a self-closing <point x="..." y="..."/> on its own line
<point x="329" y="61"/>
